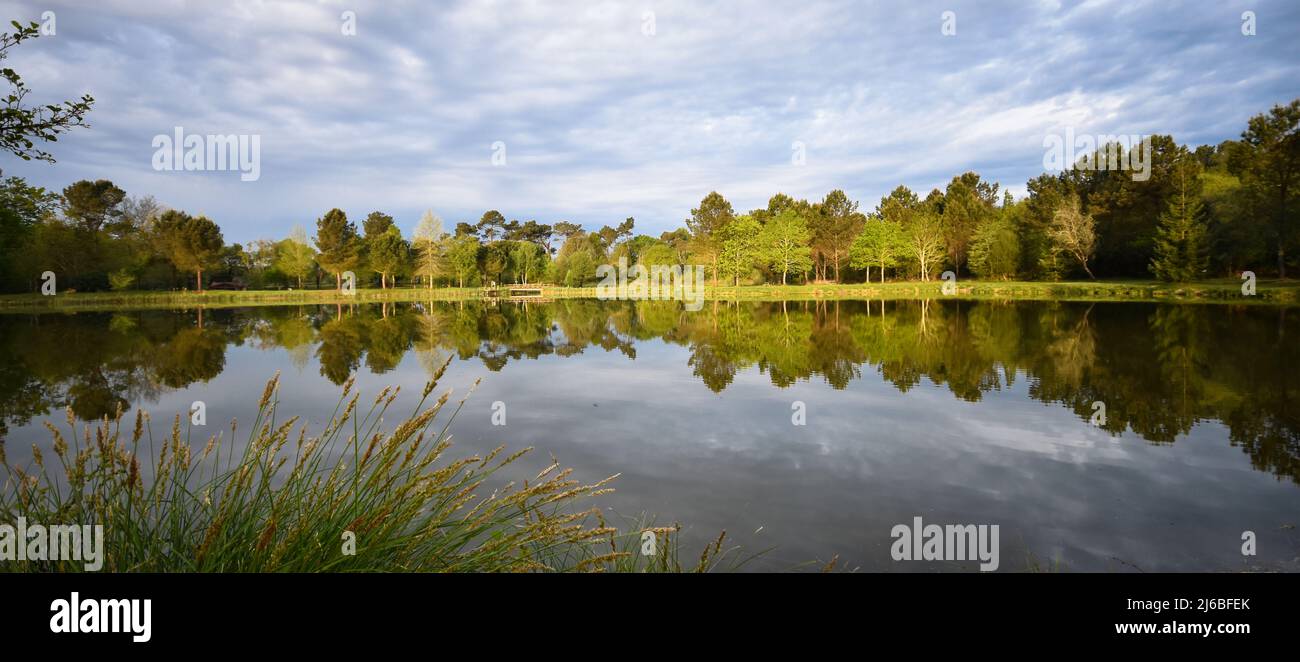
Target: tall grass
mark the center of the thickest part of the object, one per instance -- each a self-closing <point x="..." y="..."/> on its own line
<point x="287" y="502"/>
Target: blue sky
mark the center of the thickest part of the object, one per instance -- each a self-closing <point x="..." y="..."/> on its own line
<point x="604" y="118"/>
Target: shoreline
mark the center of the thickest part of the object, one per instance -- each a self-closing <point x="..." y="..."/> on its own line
<point x="1225" y="291"/>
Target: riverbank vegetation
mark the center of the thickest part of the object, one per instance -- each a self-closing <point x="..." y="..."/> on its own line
<point x="355" y="497"/>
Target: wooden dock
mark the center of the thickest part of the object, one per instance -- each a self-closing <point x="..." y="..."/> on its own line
<point x="520" y="293"/>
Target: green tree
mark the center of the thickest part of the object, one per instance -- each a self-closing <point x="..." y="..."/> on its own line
<point x="1268" y="161"/>
<point x="527" y="259"/>
<point x="576" y="261"/>
<point x="463" y="257"/>
<point x="92" y="205"/>
<point x="706" y="224"/>
<point x="995" y="247"/>
<point x="784" y="242"/>
<point x="881" y="243"/>
<point x="921" y="226"/>
<point x="295" y="256"/>
<point x="339" y="245"/>
<point x="580" y="269"/>
<point x="679" y="241"/>
<point x="492" y="226"/>
<point x="1235" y="235"/>
<point x="967" y="204"/>
<point x="192" y="243"/>
<point x="22" y="207"/>
<point x="658" y="254"/>
<point x="386" y="251"/>
<point x="1074" y="234"/>
<point x="565" y="229"/>
<point x="741" y="247"/>
<point x="1126" y="207"/>
<point x="1180" y="240"/>
<point x="495" y="260"/>
<point x="21" y="125"/>
<point x="838" y="226"/>
<point x="430" y="247"/>
<point x="376" y="223"/>
<point x="1046" y="194"/>
<point x="537" y="233"/>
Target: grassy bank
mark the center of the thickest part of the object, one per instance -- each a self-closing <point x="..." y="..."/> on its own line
<point x="1221" y="291"/>
<point x="287" y="502"/>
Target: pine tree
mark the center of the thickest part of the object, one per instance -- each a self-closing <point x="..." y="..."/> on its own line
<point x="1180" y="255"/>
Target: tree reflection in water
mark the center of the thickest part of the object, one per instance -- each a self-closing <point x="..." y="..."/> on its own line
<point x="1159" y="368"/>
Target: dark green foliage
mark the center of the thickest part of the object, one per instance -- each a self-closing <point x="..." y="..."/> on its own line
<point x="191" y="243"/>
<point x="1180" y="239"/>
<point x="338" y="243"/>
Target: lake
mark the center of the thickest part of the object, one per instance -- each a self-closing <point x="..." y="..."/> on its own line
<point x="1097" y="436"/>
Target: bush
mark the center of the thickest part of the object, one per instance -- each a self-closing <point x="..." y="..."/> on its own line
<point x="121" y="280"/>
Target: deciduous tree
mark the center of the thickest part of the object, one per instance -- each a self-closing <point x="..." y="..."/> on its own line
<point x="21" y="125"/>
<point x="706" y="224"/>
<point x="1073" y="233"/>
<point x="785" y="243"/>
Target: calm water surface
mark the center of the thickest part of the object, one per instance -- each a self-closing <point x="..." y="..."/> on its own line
<point x="957" y="412"/>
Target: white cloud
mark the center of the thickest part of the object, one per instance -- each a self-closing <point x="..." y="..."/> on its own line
<point x="602" y="121"/>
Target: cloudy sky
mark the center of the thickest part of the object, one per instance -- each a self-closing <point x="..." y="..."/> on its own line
<point x="635" y="108"/>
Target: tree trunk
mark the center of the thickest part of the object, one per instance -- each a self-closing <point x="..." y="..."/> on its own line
<point x="199" y="279"/>
<point x="1284" y="193"/>
<point x="338" y="281"/>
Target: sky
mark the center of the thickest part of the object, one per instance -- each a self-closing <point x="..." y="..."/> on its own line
<point x="592" y="111"/>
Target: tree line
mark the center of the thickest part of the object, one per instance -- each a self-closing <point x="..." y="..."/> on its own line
<point x="1211" y="211"/>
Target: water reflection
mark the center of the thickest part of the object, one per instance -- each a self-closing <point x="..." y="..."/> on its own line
<point x="1159" y="369"/>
